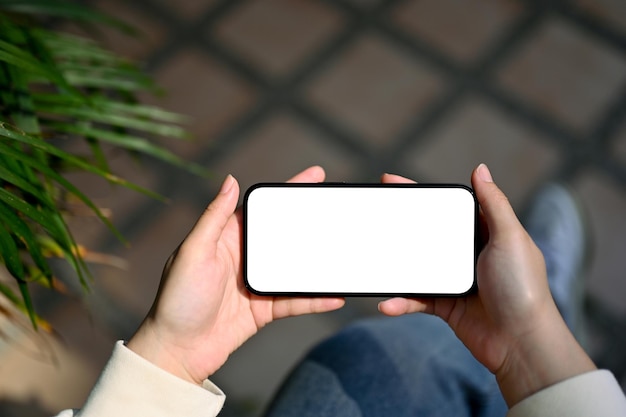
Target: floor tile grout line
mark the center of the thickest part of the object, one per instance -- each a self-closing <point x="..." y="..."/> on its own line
<point x="321" y="61"/>
<point x="491" y="61"/>
<point x="611" y="121"/>
<point x="321" y="58"/>
<point x="242" y="69"/>
<point x="355" y="32"/>
<point x="591" y="25"/>
<point x="468" y="80"/>
<point x="183" y="33"/>
<point x="339" y="135"/>
<point x="604" y="135"/>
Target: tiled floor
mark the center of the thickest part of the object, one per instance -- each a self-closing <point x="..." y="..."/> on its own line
<point x="423" y="88"/>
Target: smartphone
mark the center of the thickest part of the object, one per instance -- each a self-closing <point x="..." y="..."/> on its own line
<point x="359" y="239"/>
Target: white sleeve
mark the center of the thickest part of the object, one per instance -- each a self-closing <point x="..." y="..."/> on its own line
<point x="67" y="413"/>
<point x="595" y="393"/>
<point x="130" y="386"/>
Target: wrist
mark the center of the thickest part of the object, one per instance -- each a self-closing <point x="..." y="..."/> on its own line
<point x="547" y="355"/>
<point x="145" y="343"/>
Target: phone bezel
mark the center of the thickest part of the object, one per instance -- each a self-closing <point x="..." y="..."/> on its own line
<point x="245" y="209"/>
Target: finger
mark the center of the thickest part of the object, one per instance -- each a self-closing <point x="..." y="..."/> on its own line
<point x="311" y="174"/>
<point x="398" y="306"/>
<point x="395" y="179"/>
<point x="498" y="213"/>
<point x="210" y="225"/>
<point x="287" y="307"/>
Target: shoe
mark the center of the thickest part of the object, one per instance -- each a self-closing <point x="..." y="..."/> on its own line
<point x="556" y="222"/>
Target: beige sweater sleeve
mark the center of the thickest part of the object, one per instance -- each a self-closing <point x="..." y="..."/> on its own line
<point x="130" y="386"/>
<point x="595" y="393"/>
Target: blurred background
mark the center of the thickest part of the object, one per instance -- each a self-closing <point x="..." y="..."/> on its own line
<point x="423" y="88"/>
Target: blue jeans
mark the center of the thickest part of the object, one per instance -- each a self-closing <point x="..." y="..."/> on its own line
<point x="412" y="365"/>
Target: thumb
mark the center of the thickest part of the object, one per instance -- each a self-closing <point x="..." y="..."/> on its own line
<point x="498" y="212"/>
<point x="210" y="225"/>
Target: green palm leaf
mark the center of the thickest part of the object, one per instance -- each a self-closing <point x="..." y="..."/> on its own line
<point x="42" y="145"/>
<point x="134" y="143"/>
<point x="51" y="174"/>
<point x="56" y="85"/>
<point x="25" y="186"/>
<point x="63" y="9"/>
<point x="11" y="257"/>
<point x="22" y="230"/>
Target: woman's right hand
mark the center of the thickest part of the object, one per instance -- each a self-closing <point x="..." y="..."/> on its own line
<point x="511" y="324"/>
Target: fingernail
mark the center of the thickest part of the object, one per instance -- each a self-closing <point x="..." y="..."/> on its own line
<point x="484" y="174"/>
<point x="227" y="184"/>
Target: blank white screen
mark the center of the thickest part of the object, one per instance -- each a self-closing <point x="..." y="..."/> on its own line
<point x="360" y="240"/>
